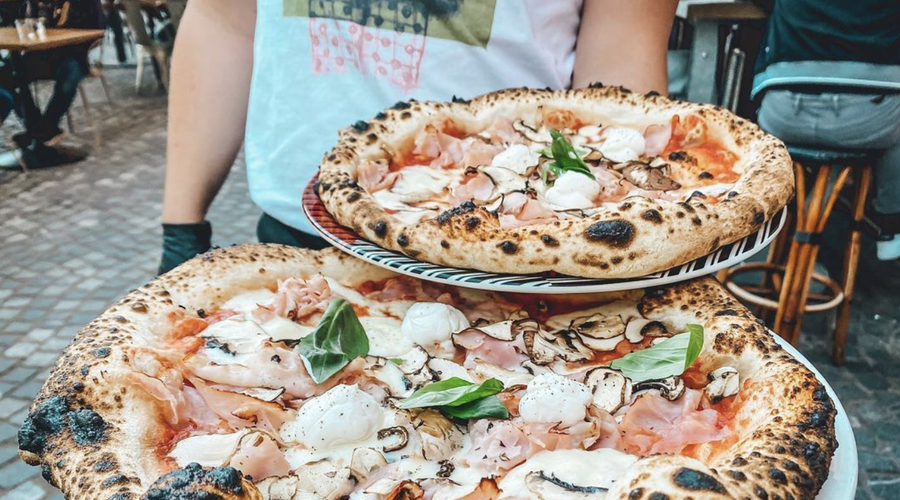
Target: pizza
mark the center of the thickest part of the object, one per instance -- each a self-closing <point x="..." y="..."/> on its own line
<point x="270" y="372"/>
<point x="591" y="182"/>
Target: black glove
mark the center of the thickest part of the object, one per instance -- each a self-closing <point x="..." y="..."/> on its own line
<point x="183" y="241"/>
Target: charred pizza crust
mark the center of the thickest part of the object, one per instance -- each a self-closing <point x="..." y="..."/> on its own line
<point x="94" y="436"/>
<point x="634" y="237"/>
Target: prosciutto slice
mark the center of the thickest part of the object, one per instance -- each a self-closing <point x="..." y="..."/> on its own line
<point x="270" y="367"/>
<point x="442" y="149"/>
<point x="375" y="175"/>
<point x="297" y="299"/>
<point x="655" y="425"/>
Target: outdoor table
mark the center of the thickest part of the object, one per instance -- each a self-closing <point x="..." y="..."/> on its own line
<point x="55" y="38"/>
<point x="707" y="17"/>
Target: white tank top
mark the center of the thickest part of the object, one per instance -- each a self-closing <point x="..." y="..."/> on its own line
<point x="321" y="65"/>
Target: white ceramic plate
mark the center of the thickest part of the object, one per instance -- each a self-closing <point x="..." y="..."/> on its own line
<point x="842" y="476"/>
<point x="348" y="241"/>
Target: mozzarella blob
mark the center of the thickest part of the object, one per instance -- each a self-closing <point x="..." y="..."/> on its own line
<point x="622" y="144"/>
<point x="248" y="302"/>
<point x="554" y="398"/>
<point x="573" y="190"/>
<point x="599" y="469"/>
<point x="429" y="323"/>
<point x="420" y="183"/>
<point x="343" y="415"/>
<point x="518" y="158"/>
<point x="385" y="336"/>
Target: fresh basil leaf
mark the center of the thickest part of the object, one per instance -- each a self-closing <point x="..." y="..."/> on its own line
<point x="666" y="359"/>
<point x="489" y="407"/>
<point x="338" y="339"/>
<point x="397" y="361"/>
<point x="565" y="158"/>
<point x="451" y="392"/>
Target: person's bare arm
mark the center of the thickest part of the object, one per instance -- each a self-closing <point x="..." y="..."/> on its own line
<point x="208" y="95"/>
<point x="624" y="42"/>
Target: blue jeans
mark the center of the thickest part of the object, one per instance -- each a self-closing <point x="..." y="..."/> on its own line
<point x="853" y="121"/>
<point x="68" y="72"/>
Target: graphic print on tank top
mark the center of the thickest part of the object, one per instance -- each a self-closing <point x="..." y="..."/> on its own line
<point x="386" y="39"/>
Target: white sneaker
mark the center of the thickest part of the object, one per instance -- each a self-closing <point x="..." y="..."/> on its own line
<point x="888" y="249"/>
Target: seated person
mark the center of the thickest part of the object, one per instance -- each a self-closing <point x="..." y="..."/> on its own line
<point x="66" y="66"/>
<point x="842" y="62"/>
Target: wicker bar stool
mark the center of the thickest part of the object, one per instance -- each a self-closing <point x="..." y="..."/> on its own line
<point x="785" y="289"/>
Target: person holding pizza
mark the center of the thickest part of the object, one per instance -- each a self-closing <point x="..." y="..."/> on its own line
<point x="300" y="70"/>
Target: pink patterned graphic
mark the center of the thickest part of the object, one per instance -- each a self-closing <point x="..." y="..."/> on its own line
<point x="340" y="45"/>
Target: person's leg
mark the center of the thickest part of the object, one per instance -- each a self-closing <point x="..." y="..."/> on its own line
<point x="887" y="203"/>
<point x="114" y="21"/>
<point x="271" y="230"/>
<point x="68" y="74"/>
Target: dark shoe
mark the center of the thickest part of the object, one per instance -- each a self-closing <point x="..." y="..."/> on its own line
<point x="23" y="140"/>
<point x="51" y="137"/>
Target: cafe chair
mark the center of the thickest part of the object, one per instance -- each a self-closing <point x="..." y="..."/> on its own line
<point x="147" y="45"/>
<point x="95" y="71"/>
<point x="821" y="174"/>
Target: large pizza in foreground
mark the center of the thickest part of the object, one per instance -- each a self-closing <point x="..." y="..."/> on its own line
<point x="596" y="182"/>
<point x="278" y="373"/>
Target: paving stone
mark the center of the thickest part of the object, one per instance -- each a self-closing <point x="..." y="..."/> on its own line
<point x="26" y="491"/>
<point x="21" y="349"/>
<point x="41" y="359"/>
<point x="5" y="364"/>
<point x="9" y="405"/>
<point x="878" y="462"/>
<point x="28" y="390"/>
<point x="7" y="431"/>
<point x="16" y="472"/>
<point x="19" y="374"/>
<point x="7" y="452"/>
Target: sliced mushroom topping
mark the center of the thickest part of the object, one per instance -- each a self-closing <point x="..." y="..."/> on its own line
<point x="397" y="438"/>
<point x="534" y="369"/>
<point x="723" y="382"/>
<point x="506" y="330"/>
<point x="494" y="206"/>
<point x="440" y="437"/>
<point x="646" y="177"/>
<point x="364" y="462"/>
<point x="325" y="479"/>
<point x="543" y="347"/>
<point x="548" y="487"/>
<point x="611" y="388"/>
<point x="391" y="377"/>
<point x="393" y="489"/>
<point x="505" y="180"/>
<point x="413" y="361"/>
<point x="444" y="369"/>
<point x="421" y="377"/>
<point x="531" y="133"/>
<point x="267" y="395"/>
<point x="407" y="490"/>
<point x="600" y="332"/>
<point x="670" y="388"/>
<point x="485" y="371"/>
<point x="639" y="328"/>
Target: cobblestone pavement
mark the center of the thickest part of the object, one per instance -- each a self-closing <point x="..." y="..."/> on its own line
<point x="74" y="239"/>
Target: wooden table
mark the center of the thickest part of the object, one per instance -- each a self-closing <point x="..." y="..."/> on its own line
<point x="56" y="37"/>
<point x="708" y="16"/>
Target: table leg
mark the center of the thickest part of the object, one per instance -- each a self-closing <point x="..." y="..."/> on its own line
<point x="704" y="62"/>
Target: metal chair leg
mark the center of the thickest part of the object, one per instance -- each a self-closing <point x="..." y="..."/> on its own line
<point x="862" y="178"/>
<point x="106" y="90"/>
<point x="139" y="74"/>
<point x="90" y="116"/>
